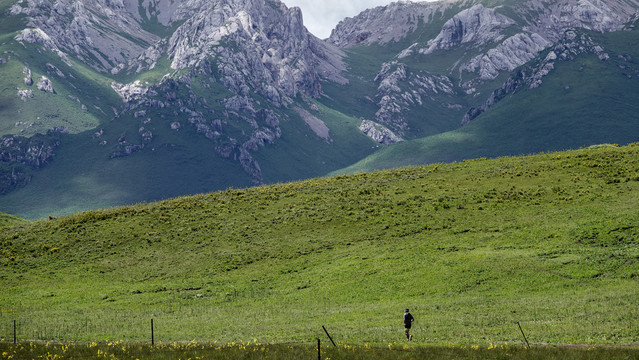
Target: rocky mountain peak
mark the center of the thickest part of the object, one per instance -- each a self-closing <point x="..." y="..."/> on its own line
<point x="477" y="24"/>
<point x="253" y="48"/>
<point x="101" y="33"/>
<point x="112" y="35"/>
<point x="257" y="44"/>
<point x="480" y="21"/>
<point x="384" y="24"/>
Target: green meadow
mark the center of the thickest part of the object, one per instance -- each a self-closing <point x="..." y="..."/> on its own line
<point x="549" y="241"/>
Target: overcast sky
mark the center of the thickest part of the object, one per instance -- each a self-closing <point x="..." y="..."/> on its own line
<point x="321" y="16"/>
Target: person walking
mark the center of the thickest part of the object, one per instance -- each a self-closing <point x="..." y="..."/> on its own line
<point x="408" y="322"/>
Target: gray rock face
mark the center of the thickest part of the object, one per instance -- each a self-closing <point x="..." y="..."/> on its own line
<point x="317" y="125"/>
<point x="101" y="33"/>
<point x="531" y="76"/>
<point x="393" y="101"/>
<point x="384" y="24"/>
<point x="378" y="132"/>
<point x="495" y="39"/>
<point x="44" y="84"/>
<point x="25" y="94"/>
<point x="130" y="92"/>
<point x="554" y="17"/>
<point x="258" y="44"/>
<point x="507" y="56"/>
<point x="477" y="25"/>
<point x="28" y="80"/>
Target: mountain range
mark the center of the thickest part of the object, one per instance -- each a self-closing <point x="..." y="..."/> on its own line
<point x="113" y="102"/>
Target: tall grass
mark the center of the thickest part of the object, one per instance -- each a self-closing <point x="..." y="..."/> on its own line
<point x="254" y="350"/>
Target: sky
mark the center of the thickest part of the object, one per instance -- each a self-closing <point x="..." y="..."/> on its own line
<point x="321" y="16"/>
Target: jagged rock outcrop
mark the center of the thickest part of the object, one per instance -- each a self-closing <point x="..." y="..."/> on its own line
<point x="38" y="36"/>
<point x="551" y="18"/>
<point x="44" y="84"/>
<point x="496" y="39"/>
<point x="102" y="33"/>
<point x="259" y="45"/>
<point x="530" y="77"/>
<point x="378" y="132"/>
<point x="507" y="56"/>
<point x="393" y="101"/>
<point x="34" y="152"/>
<point x="476" y="25"/>
<point x="276" y="56"/>
<point x="266" y="47"/>
<point x="25" y="94"/>
<point x="385" y="24"/>
<point x="130" y="92"/>
<point x="28" y="80"/>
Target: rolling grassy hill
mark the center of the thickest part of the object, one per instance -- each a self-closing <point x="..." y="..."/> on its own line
<point x="550" y="241"/>
<point x="10" y="220"/>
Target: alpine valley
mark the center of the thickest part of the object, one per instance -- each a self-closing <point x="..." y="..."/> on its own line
<point x="112" y="102"/>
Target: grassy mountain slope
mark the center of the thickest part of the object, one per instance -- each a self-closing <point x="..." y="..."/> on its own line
<point x="89" y="179"/>
<point x="582" y="102"/>
<point x="547" y="240"/>
<point x="176" y="163"/>
<point x="301" y="154"/>
<point x="83" y="175"/>
<point x="74" y="86"/>
<point x="359" y="97"/>
<point x="10" y="220"/>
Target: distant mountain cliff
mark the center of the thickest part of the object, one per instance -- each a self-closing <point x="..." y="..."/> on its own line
<point x="496" y="37"/>
<point x="259" y="48"/>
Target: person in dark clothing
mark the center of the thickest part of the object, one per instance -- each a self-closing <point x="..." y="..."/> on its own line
<point x="408" y="322"/>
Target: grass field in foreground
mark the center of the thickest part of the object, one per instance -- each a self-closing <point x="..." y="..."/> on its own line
<point x="549" y="241"/>
<point x="252" y="350"/>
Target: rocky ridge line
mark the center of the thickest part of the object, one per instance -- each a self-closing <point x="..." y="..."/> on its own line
<point x="531" y="76"/>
